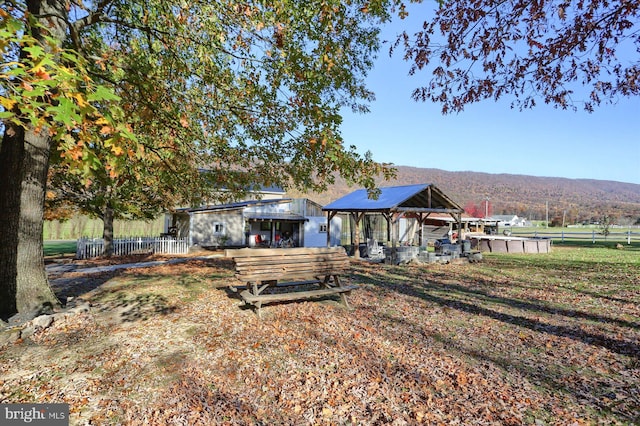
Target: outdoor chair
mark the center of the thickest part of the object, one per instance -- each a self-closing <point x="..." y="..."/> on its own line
<point x="374" y="250"/>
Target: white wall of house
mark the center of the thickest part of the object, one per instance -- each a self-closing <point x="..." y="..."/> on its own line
<point x="269" y="208"/>
<point x="315" y="231"/>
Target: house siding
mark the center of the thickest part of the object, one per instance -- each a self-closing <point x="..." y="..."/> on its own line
<point x="314" y="238"/>
<point x="202" y="228"/>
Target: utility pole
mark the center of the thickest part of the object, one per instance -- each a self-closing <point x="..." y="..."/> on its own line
<point x="547" y="215"/>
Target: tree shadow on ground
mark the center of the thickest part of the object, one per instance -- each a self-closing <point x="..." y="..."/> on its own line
<point x="609" y="393"/>
<point x="605" y="397"/>
<point x="441" y="294"/>
<point x="81" y="285"/>
<point x="135" y="307"/>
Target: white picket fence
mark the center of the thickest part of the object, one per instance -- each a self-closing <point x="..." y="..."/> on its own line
<point x="93" y="247"/>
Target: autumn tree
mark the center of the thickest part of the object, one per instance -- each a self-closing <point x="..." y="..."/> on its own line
<point x="549" y="51"/>
<point x="140" y="191"/>
<point x="251" y="90"/>
<point x="474" y="210"/>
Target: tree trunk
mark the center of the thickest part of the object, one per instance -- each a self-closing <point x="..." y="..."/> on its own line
<point x="107" y="233"/>
<point x="11" y="154"/>
<point x="24" y="162"/>
<point x="24" y="287"/>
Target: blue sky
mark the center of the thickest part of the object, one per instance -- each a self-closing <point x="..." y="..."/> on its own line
<point x="490" y="136"/>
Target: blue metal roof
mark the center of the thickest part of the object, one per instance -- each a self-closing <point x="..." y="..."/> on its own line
<point x="389" y="198"/>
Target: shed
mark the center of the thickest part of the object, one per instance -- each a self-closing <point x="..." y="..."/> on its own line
<point x="393" y="203"/>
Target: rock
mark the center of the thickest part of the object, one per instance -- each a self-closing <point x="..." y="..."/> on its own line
<point x="43" y="321"/>
<point x="9" y="336"/>
<point x="24" y="317"/>
<point x="28" y="330"/>
<point x="19" y="327"/>
<point x="619" y="246"/>
<point x="21" y="318"/>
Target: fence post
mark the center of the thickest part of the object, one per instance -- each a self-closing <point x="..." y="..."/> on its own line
<point x="593" y="237"/>
<point x="79" y="247"/>
<point x="629" y="236"/>
<point x="562" y="238"/>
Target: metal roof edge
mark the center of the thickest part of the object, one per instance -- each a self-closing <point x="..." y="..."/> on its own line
<point x="233" y="206"/>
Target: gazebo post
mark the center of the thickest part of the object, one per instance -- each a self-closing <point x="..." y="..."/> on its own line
<point x="388" y="219"/>
<point x="357" y="217"/>
<point x="396" y="235"/>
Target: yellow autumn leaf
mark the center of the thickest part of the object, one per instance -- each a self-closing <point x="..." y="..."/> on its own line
<point x="80" y="100"/>
<point x="7" y="103"/>
<point x="117" y="150"/>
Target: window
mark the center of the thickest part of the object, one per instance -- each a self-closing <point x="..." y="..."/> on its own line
<point x="323" y="227"/>
<point x="218" y="228"/>
<point x="265" y="226"/>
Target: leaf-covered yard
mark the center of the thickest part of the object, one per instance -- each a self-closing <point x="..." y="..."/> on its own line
<point x="544" y="339"/>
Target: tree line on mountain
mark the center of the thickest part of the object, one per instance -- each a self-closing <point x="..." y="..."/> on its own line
<point x="577" y="200"/>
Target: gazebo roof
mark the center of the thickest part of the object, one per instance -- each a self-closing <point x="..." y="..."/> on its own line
<point x="408" y="198"/>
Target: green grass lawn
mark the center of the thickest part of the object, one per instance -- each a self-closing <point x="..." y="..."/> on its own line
<point x="62" y="247"/>
<point x="581" y="236"/>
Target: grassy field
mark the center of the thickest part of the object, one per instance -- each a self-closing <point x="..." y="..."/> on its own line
<point x="59" y="247"/>
<point x="585" y="235"/>
<point x="515" y="339"/>
<point x="83" y="226"/>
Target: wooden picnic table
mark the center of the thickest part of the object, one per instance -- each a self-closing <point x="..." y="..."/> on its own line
<point x="288" y="270"/>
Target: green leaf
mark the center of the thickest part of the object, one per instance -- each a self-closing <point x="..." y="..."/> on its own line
<point x="65" y="111"/>
<point x="103" y="94"/>
<point x="34" y="51"/>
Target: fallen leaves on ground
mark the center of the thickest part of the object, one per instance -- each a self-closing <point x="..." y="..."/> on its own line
<point x="501" y="342"/>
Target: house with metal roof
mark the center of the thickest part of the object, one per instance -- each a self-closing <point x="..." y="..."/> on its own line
<point x="393" y="204"/>
<point x="276" y="222"/>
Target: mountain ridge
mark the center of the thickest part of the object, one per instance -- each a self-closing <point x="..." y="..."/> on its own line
<point x="579" y="199"/>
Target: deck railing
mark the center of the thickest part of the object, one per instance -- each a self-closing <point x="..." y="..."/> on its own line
<point x="94" y="247"/>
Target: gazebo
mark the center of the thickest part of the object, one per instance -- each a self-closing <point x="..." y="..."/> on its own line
<point x="393" y="203"/>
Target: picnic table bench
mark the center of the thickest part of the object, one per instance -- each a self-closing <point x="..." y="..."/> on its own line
<point x="285" y="269"/>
